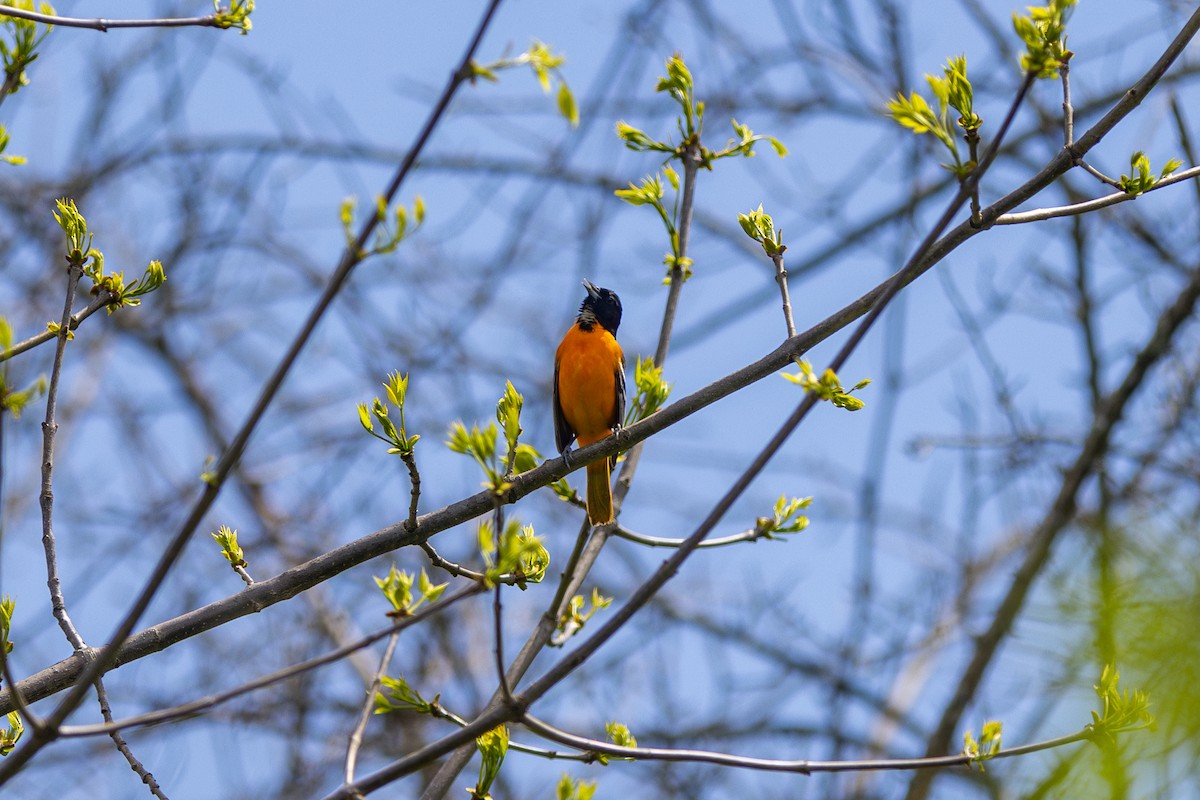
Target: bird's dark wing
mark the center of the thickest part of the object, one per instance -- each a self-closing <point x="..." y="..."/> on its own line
<point x="563" y="435"/>
<point x="619" y="417"/>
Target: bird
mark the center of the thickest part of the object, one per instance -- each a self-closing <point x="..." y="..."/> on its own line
<point x="589" y="390"/>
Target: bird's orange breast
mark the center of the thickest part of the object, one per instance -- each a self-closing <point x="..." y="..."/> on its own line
<point x="588" y="365"/>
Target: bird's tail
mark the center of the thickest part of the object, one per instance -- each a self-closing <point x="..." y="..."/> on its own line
<point x="599" y="492"/>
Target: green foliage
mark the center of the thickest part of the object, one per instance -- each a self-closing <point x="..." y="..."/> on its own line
<point x="1141" y="179"/>
<point x="565" y="491"/>
<point x="952" y="90"/>
<point x="75" y="227"/>
<point x="508" y="414"/>
<point x="228" y="541"/>
<point x="19" y="40"/>
<point x="572" y="789"/>
<point x="650" y="193"/>
<point x="399" y="441"/>
<point x="785" y="518"/>
<point x="639" y="141"/>
<point x="546" y="65"/>
<point x="679" y="85"/>
<point x="525" y="458"/>
<point x="391" y="227"/>
<point x="81" y="255"/>
<point x="987" y="746"/>
<point x="14" y="400"/>
<point x="619" y="735"/>
<point x="54" y="328"/>
<point x="480" y="444"/>
<point x="12" y="734"/>
<point x="518" y="554"/>
<point x="397" y="695"/>
<point x="759" y="226"/>
<point x="743" y="145"/>
<point x="397" y="587"/>
<point x="651" y="391"/>
<point x="207" y="472"/>
<point x="4" y="146"/>
<point x="7" y="606"/>
<point x="493" y="746"/>
<point x="575" y="616"/>
<point x="828" y="387"/>
<point x="1043" y="31"/>
<point x="114" y="283"/>
<point x="1120" y="712"/>
<point x="236" y="16"/>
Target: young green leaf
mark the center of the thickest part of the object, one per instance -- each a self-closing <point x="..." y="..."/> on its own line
<point x="651" y="391"/>
<point x="1120" y="712"/>
<point x="572" y="789"/>
<point x="1043" y="32"/>
<point x="827" y="387"/>
<point x="7" y="607"/>
<point x="493" y="746"/>
<point x="236" y="16"/>
<point x="785" y="518"/>
<point x="12" y="734"/>
<point x="227" y="539"/>
<point x="987" y="746"/>
<point x="397" y="695"/>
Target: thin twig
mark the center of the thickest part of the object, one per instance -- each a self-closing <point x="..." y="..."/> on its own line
<point x="49" y="429"/>
<point x="97" y="303"/>
<point x="356" y="736"/>
<point x="205" y="703"/>
<point x="498" y="632"/>
<point x="1064" y="72"/>
<point x="439" y="711"/>
<point x="456" y="570"/>
<point x="34" y="722"/>
<point x="691" y="165"/>
<point x="972" y="136"/>
<point x="123" y="746"/>
<point x="781" y="279"/>
<point x="1185" y="138"/>
<point x="803" y="767"/>
<point x="1036" y="215"/>
<point x="243" y="574"/>
<point x="749" y="535"/>
<point x="104" y="25"/>
<point x="1097" y="174"/>
<point x="414" y="495"/>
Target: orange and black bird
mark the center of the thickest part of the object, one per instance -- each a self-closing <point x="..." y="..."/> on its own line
<point x="589" y="390"/>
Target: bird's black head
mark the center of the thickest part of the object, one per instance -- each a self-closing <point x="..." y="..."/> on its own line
<point x="600" y="305"/>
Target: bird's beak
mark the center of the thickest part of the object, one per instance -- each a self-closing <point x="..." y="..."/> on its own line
<point x="592" y="289"/>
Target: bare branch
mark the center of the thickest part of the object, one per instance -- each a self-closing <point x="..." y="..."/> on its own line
<point x="803" y="767"/>
<point x="104" y="25"/>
